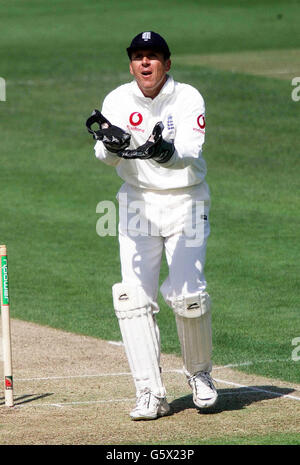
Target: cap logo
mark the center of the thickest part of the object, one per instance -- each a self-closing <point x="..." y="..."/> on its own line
<point x="146" y="36"/>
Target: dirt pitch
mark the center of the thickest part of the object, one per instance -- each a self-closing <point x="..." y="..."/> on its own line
<point x="76" y="390"/>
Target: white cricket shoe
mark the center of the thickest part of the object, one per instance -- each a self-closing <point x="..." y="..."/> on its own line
<point x="204" y="392"/>
<point x="148" y="406"/>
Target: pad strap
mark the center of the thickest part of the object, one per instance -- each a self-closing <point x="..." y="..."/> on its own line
<point x="192" y="306"/>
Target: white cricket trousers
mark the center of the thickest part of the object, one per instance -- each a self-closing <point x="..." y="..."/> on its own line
<point x="174" y="222"/>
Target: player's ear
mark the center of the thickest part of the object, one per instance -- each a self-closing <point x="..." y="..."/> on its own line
<point x="130" y="68"/>
<point x="168" y="65"/>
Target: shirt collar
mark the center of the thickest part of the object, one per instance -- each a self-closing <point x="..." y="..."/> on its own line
<point x="167" y="89"/>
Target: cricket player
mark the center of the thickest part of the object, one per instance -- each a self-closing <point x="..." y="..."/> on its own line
<point x="152" y="131"/>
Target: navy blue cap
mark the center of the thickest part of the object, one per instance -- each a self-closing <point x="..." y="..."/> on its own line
<point x="149" y="40"/>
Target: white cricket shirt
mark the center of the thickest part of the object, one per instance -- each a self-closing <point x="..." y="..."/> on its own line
<point x="181" y="109"/>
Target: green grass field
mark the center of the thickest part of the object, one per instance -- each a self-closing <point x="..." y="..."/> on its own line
<point x="59" y="60"/>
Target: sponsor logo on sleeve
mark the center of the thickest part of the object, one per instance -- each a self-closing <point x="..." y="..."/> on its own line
<point x="200" y="124"/>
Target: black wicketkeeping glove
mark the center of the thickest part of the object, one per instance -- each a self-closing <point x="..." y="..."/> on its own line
<point x="156" y="147"/>
<point x="113" y="137"/>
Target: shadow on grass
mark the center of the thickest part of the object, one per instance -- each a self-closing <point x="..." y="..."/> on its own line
<point x="232" y="399"/>
<point x="26" y="398"/>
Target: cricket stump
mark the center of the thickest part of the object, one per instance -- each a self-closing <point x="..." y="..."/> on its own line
<point x="6" y="333"/>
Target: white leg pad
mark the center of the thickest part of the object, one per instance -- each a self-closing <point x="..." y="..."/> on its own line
<point x="140" y="335"/>
<point x="193" y="320"/>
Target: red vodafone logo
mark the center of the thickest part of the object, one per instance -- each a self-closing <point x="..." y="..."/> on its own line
<point x="201" y="121"/>
<point x="135" y="118"/>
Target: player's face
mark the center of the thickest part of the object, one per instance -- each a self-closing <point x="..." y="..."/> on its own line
<point x="149" y="69"/>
